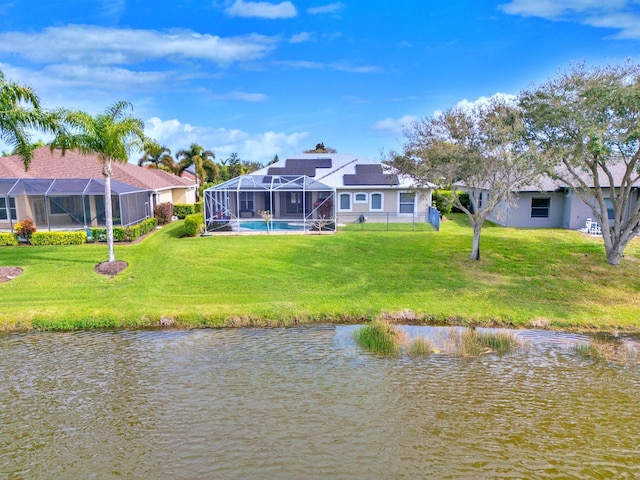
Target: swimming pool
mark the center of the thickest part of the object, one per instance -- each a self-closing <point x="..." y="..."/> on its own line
<point x="273" y="225"/>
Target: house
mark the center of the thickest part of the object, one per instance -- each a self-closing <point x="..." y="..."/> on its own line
<point x="67" y="192"/>
<point x="315" y="190"/>
<point x="552" y="204"/>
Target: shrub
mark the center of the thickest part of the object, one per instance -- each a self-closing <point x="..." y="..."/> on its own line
<point x="8" y="239"/>
<point x="181" y="210"/>
<point x="99" y="234"/>
<point x="163" y="212"/>
<point x="193" y="224"/>
<point x="443" y="200"/>
<point x="198" y="207"/>
<point x="59" y="238"/>
<point x="25" y="229"/>
<point x="125" y="234"/>
<point x="464" y="200"/>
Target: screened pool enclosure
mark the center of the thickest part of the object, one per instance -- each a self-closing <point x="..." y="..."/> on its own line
<point x="270" y="203"/>
<point x="70" y="204"/>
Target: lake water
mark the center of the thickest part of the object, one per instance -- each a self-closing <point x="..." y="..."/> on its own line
<point x="306" y="403"/>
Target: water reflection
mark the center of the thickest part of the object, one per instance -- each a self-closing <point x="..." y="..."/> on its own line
<point x="306" y="403"/>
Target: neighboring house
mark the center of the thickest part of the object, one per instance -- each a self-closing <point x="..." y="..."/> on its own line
<point x="67" y="192"/>
<point x="550" y="204"/>
<point x="318" y="187"/>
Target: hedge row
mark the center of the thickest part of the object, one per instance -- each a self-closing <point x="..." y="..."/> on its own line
<point x="193" y="224"/>
<point x="125" y="234"/>
<point x="182" y="210"/>
<point x="8" y="239"/>
<point x="59" y="238"/>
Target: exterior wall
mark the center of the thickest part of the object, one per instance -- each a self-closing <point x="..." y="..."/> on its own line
<point x="390" y="206"/>
<point x="183" y="195"/>
<point x="520" y="214"/>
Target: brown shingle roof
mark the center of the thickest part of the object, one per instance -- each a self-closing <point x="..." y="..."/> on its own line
<point x="74" y="164"/>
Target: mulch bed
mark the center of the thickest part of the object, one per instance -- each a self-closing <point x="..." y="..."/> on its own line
<point x="111" y="268"/>
<point x="9" y="273"/>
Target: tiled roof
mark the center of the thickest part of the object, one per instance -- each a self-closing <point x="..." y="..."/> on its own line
<point x="74" y="164"/>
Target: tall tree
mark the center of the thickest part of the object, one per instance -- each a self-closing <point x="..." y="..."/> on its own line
<point x="112" y="135"/>
<point x="235" y="166"/>
<point x="20" y="112"/>
<point x="586" y="125"/>
<point x="158" y="156"/>
<point x="197" y="156"/>
<point x="480" y="150"/>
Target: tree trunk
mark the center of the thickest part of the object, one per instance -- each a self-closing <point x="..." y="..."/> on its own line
<point x="475" y="249"/>
<point x="108" y="212"/>
<point x="613" y="256"/>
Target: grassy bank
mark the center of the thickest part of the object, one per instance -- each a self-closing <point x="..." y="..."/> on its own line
<point x="526" y="277"/>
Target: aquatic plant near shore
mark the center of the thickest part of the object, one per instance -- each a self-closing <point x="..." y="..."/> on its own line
<point x="378" y="337"/>
<point x="609" y="351"/>
<point x="420" y="347"/>
<point x="469" y="342"/>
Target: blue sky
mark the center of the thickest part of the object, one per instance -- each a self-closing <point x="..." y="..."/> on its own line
<point x="267" y="78"/>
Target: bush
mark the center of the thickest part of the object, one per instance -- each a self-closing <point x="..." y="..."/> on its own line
<point x="193" y="224"/>
<point x="163" y="212"/>
<point x="59" y="238"/>
<point x="99" y="234"/>
<point x="464" y="200"/>
<point x="198" y="207"/>
<point x="25" y="229"/>
<point x="443" y="200"/>
<point x="8" y="239"/>
<point x="181" y="210"/>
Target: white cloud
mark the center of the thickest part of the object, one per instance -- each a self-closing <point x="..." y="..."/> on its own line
<point x="620" y="15"/>
<point x="330" y="8"/>
<point x="259" y="147"/>
<point x="470" y="105"/>
<point x="342" y="67"/>
<point x="300" y="37"/>
<point x="394" y="125"/>
<point x="240" y="8"/>
<point x="100" y="45"/>
<point x="243" y="96"/>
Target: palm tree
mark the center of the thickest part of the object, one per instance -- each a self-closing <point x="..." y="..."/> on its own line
<point x="197" y="156"/>
<point x="20" y="111"/>
<point x="112" y="135"/>
<point x="158" y="156"/>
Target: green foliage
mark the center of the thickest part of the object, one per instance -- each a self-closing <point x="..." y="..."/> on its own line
<point x="198" y="207"/>
<point x="378" y="337"/>
<point x="25" y="229"/>
<point x="464" y="200"/>
<point x="181" y="210"/>
<point x="443" y="200"/>
<point x="125" y="234"/>
<point x="193" y="224"/>
<point x="163" y="212"/>
<point x="419" y="347"/>
<point x="59" y="238"/>
<point x="7" y="239"/>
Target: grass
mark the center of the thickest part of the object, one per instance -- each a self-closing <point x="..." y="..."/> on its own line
<point x="609" y="351"/>
<point x="527" y="277"/>
<point x="378" y="337"/>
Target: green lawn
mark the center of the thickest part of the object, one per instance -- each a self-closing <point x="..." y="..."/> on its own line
<point x="526" y="277"/>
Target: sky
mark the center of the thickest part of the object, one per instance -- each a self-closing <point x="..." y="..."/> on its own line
<point x="273" y="78"/>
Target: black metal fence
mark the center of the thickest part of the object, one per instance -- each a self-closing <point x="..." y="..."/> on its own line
<point x="390" y="221"/>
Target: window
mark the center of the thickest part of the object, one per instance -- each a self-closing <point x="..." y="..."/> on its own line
<point x="345" y="201"/>
<point x="360" y="198"/>
<point x="12" y="209"/>
<point x="480" y="201"/>
<point x="540" y="207"/>
<point x="61" y="205"/>
<point x="294" y="202"/>
<point x="376" y="202"/>
<point x="610" y="212"/>
<point x="246" y="201"/>
<point x="406" y="202"/>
